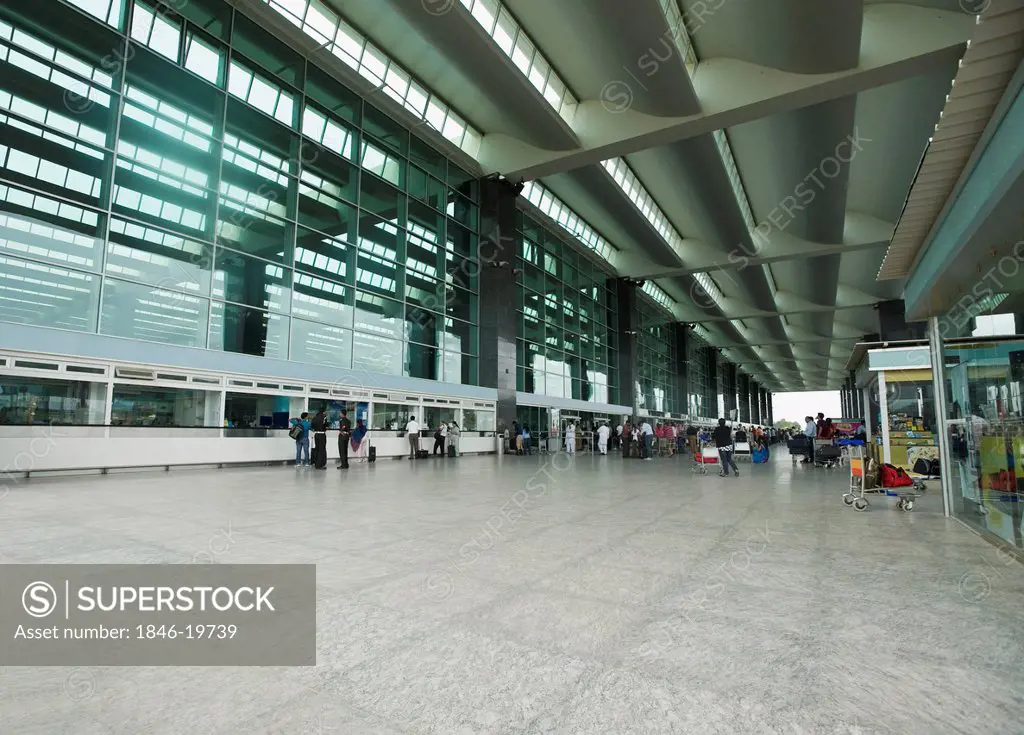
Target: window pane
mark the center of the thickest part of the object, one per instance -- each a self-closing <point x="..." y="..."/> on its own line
<point x="265" y="49"/>
<point x="380" y="316"/>
<point x="322" y="205"/>
<point x="423" y="155"/>
<point x="376" y="354"/>
<point x="423" y="326"/>
<point x="213" y="16"/>
<point x="385" y="130"/>
<point x="326" y="257"/>
<point x="381" y="199"/>
<point x="41" y="228"/>
<point x="247" y="229"/>
<point x="321" y="344"/>
<point x="235" y="328"/>
<point x="142" y="253"/>
<point x="321" y="300"/>
<point x="253" y="411"/>
<point x="423" y="361"/>
<point x="426" y="189"/>
<point x="47" y="296"/>
<point x="27" y="401"/>
<point x="392" y="416"/>
<point x="379" y="243"/>
<point x="460" y="336"/>
<point x="382" y="163"/>
<point x="251" y="281"/>
<point x="153" y="314"/>
<point x="143" y="406"/>
<point x="333" y="95"/>
<point x="204" y="59"/>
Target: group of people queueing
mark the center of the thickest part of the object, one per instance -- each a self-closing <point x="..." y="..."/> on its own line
<point x="350" y="440"/>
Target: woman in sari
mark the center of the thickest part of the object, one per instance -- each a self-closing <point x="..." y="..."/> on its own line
<point x="359" y="441"/>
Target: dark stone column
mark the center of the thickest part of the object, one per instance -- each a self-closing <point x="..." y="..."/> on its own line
<point x="626" y="311"/>
<point x="755" y="402"/>
<point x="711" y="397"/>
<point x="744" y="397"/>
<point x="728" y="388"/>
<point x="893" y="325"/>
<point x="498" y="295"/>
<point x="682" y="365"/>
<point x="771" y="409"/>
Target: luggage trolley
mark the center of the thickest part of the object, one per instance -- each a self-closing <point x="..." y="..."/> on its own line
<point x="906" y="494"/>
<point x="706" y="455"/>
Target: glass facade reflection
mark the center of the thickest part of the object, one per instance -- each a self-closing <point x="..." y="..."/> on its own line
<point x="566" y="345"/>
<point x="656" y="388"/>
<point x="185" y="177"/>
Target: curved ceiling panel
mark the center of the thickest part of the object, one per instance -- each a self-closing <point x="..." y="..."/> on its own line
<point x="598" y="44"/>
<point x="791" y="35"/>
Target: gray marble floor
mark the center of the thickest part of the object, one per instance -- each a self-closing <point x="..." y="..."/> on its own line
<point x="523" y="595"/>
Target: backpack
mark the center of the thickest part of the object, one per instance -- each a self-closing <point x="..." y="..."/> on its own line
<point x="296" y="432"/>
<point x="893" y="476"/>
<point x="922" y="466"/>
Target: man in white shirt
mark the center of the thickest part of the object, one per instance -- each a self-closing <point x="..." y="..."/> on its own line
<point x="570" y="438"/>
<point x="810" y="432"/>
<point x="412" y="430"/>
<point x="602" y="438"/>
<point x="647" y="437"/>
<point x="440" y="435"/>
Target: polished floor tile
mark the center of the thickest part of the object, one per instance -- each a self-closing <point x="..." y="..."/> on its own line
<point x="521" y="595"/>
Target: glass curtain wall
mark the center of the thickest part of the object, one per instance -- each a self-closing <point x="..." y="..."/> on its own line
<point x="184" y="177"/>
<point x="702" y="401"/>
<point x="565" y="345"/>
<point x="656" y="360"/>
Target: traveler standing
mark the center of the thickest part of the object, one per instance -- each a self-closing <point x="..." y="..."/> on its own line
<point x="319" y="427"/>
<point x="412" y="430"/>
<point x="810" y="432"/>
<point x="440" y="433"/>
<point x="302" y="440"/>
<point x="691" y="439"/>
<point x="570" y="438"/>
<point x="344" y="437"/>
<point x="527" y="438"/>
<point x="723" y="440"/>
<point x="602" y="438"/>
<point x="453" y="437"/>
<point x="647" y="437"/>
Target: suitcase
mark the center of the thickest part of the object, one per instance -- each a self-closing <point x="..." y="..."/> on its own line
<point x="371" y="454"/>
<point x="422" y="454"/>
<point x="451" y="451"/>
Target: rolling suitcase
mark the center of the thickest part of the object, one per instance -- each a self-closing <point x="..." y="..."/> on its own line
<point x="422" y="454"/>
<point x="451" y="451"/>
<point x="371" y="454"/>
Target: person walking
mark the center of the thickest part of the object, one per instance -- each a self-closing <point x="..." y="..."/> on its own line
<point x="602" y="438"/>
<point x="527" y="441"/>
<point x="319" y="428"/>
<point x="647" y="440"/>
<point x="691" y="439"/>
<point x="412" y="431"/>
<point x="723" y="440"/>
<point x="570" y="438"/>
<point x="344" y="437"/>
<point x="301" y="440"/>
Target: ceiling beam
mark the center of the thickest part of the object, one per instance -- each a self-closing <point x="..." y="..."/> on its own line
<point x="898" y="42"/>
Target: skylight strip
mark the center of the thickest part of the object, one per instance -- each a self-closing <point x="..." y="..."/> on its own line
<point x="329" y="30"/>
<point x="630" y="185"/>
<point x="660" y="297"/>
<point x="514" y="42"/>
<point x="550" y="205"/>
<point x="677" y="25"/>
<point x="710" y="287"/>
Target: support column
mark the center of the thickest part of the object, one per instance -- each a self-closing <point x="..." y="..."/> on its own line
<point x="729" y="388"/>
<point x="498" y="295"/>
<point x="682" y="367"/>
<point x="771" y="409"/>
<point x="625" y="301"/>
<point x="755" y="401"/>
<point x="743" y="397"/>
<point x="711" y="390"/>
<point x="941" y="413"/>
